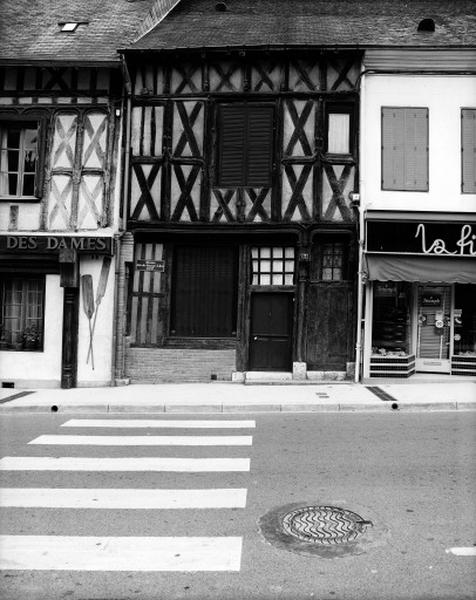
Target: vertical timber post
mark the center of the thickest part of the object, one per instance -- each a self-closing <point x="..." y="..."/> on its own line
<point x="69" y="355"/>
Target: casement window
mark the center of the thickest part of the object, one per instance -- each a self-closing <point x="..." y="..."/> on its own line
<point x="331" y="266"/>
<point x="204" y="291"/>
<point x="468" y="150"/>
<point x="22" y="313"/>
<point x="19" y="159"/>
<point x="339" y="119"/>
<point x="272" y="265"/>
<point x="245" y="133"/>
<point x="405" y="149"/>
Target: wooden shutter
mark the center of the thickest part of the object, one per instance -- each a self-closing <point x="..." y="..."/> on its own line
<point x="203" y="302"/>
<point x="245" y="145"/>
<point x="468" y="150"/>
<point x="405" y="149"/>
<point x="260" y="146"/>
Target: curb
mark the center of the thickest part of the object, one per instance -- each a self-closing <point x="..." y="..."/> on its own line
<point x="241" y="408"/>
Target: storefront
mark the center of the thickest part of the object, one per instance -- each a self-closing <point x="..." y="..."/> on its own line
<point x="421" y="294"/>
<point x="52" y="289"/>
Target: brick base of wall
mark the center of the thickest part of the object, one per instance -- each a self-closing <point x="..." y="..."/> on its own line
<point x="170" y="365"/>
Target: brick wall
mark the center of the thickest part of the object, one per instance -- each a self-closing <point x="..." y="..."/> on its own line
<point x="161" y="365"/>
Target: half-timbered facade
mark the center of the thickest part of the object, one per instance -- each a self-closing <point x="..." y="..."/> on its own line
<point x="60" y="135"/>
<point x="240" y="167"/>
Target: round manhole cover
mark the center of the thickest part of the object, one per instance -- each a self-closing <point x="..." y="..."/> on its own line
<point x="322" y="529"/>
<point x="325" y="525"/>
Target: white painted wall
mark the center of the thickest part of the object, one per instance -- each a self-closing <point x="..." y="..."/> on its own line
<point x="444" y="96"/>
<point x="102" y="339"/>
<point x="40" y="368"/>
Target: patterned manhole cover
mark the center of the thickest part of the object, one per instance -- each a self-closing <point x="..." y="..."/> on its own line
<point x="322" y="529"/>
<point x="325" y="525"/>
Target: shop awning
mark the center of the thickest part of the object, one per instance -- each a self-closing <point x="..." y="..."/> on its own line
<point x="383" y="267"/>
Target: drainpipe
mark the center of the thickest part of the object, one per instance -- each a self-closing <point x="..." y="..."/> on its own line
<point x="359" y="205"/>
<point x="125" y="242"/>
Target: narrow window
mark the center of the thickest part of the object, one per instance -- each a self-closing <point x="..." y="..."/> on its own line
<point x="332" y="262"/>
<point x="22" y="312"/>
<point x="339" y="128"/>
<point x="405" y="149"/>
<point x="468" y="150"/>
<point x="204" y="292"/>
<point x="18" y="159"/>
<point x="272" y="265"/>
<point x="245" y="145"/>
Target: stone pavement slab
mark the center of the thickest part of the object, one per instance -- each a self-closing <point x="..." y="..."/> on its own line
<point x="238" y="398"/>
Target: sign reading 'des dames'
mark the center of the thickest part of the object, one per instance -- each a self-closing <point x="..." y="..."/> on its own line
<point x="424" y="238"/>
<point x="54" y="243"/>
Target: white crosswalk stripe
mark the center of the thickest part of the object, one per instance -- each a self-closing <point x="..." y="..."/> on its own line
<point x="81" y="553"/>
<point x="144" y="440"/>
<point x="176" y="465"/>
<point x="122" y="498"/>
<point x="131" y="553"/>
<point x="162" y="423"/>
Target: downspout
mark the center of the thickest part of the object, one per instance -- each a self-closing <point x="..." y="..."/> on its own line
<point x="360" y="274"/>
<point x="124" y="241"/>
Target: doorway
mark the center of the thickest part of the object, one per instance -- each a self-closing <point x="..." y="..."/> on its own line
<point x="433" y="328"/>
<point x="271" y="331"/>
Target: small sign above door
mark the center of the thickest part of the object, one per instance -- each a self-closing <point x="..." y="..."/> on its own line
<point x="145" y="264"/>
<point x="431" y="300"/>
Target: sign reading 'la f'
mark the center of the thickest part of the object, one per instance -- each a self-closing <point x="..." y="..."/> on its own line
<point x="430" y="238"/>
<point x="438" y="246"/>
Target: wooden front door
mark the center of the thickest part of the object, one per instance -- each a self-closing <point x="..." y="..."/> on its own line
<point x="271" y="332"/>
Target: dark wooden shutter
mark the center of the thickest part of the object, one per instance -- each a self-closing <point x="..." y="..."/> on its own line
<point x="405" y="149"/>
<point x="203" y="302"/>
<point x="245" y="145"/>
<point x="468" y="149"/>
<point x="260" y="146"/>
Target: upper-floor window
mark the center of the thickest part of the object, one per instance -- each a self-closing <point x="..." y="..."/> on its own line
<point x="19" y="158"/>
<point x="468" y="150"/>
<point x="339" y="119"/>
<point x="405" y="149"/>
<point x="245" y="138"/>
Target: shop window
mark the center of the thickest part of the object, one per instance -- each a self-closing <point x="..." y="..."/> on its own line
<point x="405" y="149"/>
<point x="339" y="129"/>
<point x="19" y="162"/>
<point x="332" y="262"/>
<point x="245" y="145"/>
<point x="272" y="265"/>
<point x="204" y="292"/>
<point x="468" y="150"/>
<point x="464" y="315"/>
<point x="391" y="319"/>
<point x="22" y="313"/>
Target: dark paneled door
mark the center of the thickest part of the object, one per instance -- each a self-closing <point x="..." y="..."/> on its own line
<point x="271" y="332"/>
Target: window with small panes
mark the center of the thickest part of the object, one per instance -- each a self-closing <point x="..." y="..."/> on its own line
<point x="19" y="159"/>
<point x="273" y="265"/>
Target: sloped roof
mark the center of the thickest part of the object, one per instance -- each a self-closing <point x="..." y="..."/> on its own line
<point x="278" y="23"/>
<point x="29" y="29"/>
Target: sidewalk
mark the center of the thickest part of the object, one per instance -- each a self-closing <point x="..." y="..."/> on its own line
<point x="238" y="398"/>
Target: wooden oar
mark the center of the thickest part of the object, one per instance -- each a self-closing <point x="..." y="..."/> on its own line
<point x="88" y="307"/>
<point x="101" y="290"/>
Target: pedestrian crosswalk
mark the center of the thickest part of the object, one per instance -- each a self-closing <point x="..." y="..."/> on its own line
<point x="92" y="552"/>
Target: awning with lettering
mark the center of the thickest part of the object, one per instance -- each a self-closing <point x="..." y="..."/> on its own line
<point x="435" y="269"/>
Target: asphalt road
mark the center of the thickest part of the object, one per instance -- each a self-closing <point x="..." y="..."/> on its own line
<point x="411" y="474"/>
